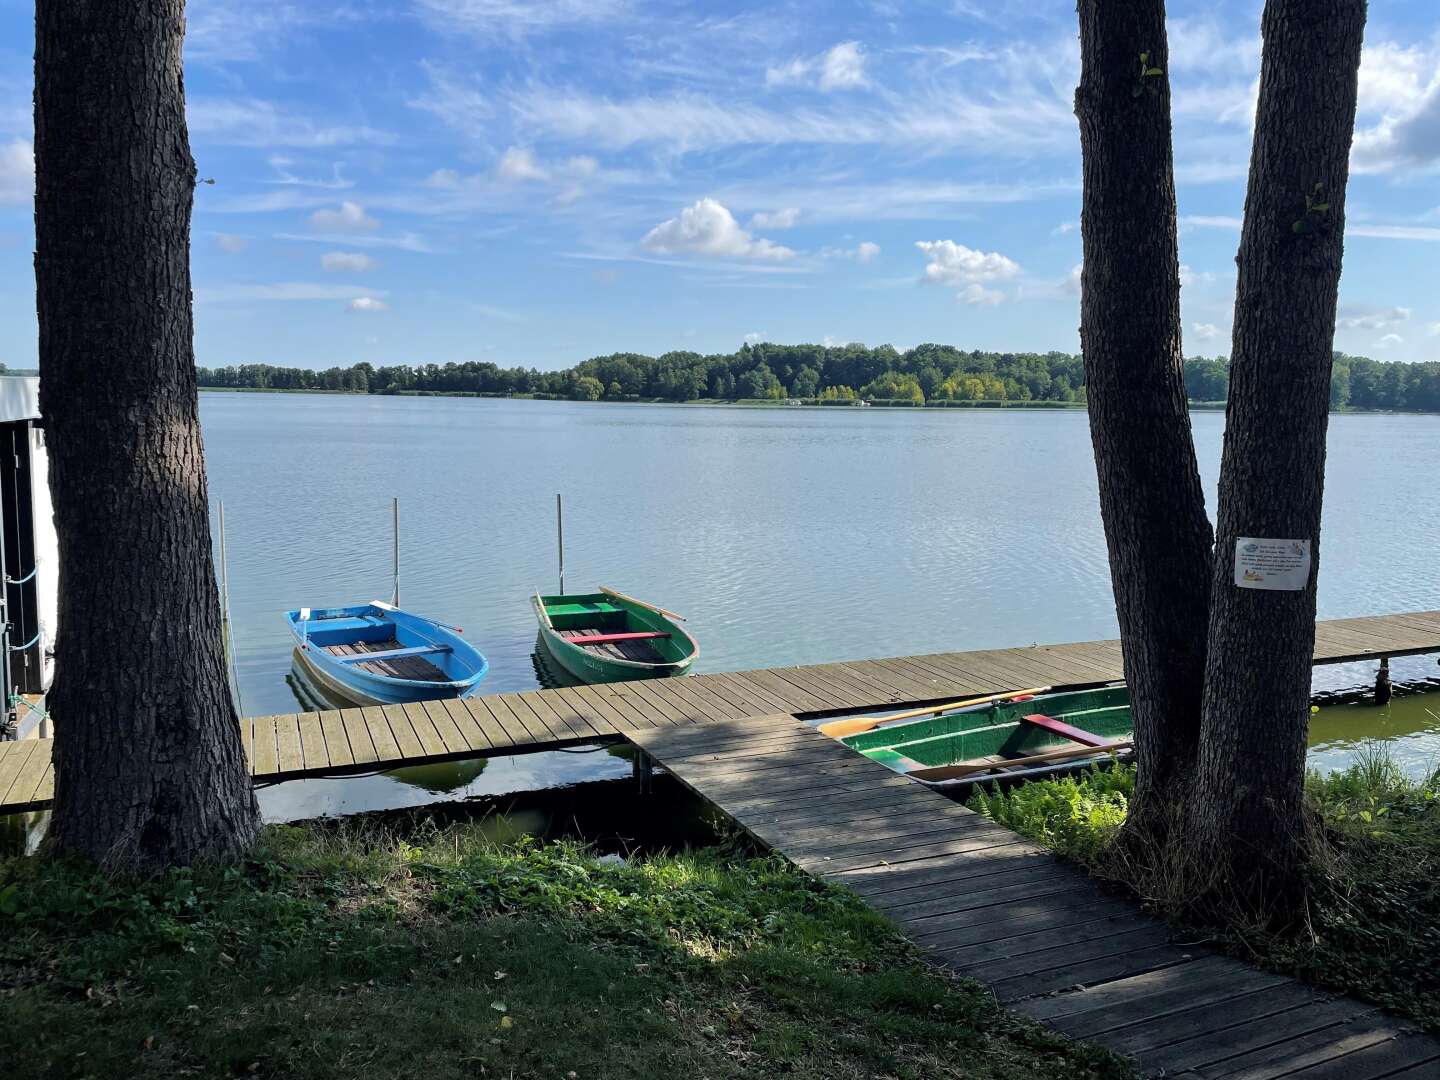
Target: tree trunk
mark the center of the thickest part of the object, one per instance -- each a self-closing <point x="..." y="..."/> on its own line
<point x="149" y="769"/>
<point x="1246" y="808"/>
<point x="1151" y="500"/>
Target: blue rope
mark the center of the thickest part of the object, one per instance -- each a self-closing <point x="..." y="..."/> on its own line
<point x="21" y="581"/>
<point x="22" y="648"/>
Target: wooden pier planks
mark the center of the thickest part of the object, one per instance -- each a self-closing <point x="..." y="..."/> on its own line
<point x="1047" y="939"/>
<point x="351" y="740"/>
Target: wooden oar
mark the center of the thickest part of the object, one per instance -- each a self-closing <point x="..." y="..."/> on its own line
<point x="955" y="772"/>
<point x="856" y="724"/>
<point x="642" y="603"/>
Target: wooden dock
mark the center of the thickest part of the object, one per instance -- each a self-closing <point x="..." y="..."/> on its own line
<point x="335" y="743"/>
<point x="1045" y="938"/>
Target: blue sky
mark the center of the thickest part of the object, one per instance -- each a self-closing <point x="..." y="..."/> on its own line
<point x="536" y="181"/>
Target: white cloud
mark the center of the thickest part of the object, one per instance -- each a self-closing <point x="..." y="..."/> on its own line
<point x="861" y="252"/>
<point x="518" y="163"/>
<point x="1432" y="329"/>
<point x="221" y="31"/>
<point x="1071" y="284"/>
<point x="1400" y="86"/>
<point x="839" y="68"/>
<point x="17" y="172"/>
<point x="755" y="337"/>
<point x="1195" y="277"/>
<point x="708" y="228"/>
<point x="967" y="270"/>
<point x="776" y="219"/>
<point x="406" y="241"/>
<point x="368" y="303"/>
<point x="350" y="216"/>
<point x="1389" y="341"/>
<point x="1065" y="228"/>
<point x="351" y="262"/>
<point x="279" y="291"/>
<point x="1367" y="317"/>
<point x="1205" y="331"/>
<point x="230" y="243"/>
<point x="515" y="18"/>
<point x="255" y="123"/>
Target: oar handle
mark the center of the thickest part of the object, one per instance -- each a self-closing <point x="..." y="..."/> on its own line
<point x="855" y="725"/>
<point x="642" y="603"/>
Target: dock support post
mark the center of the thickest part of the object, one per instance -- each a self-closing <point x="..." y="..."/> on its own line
<point x="1383" y="690"/>
<point x="642" y="768"/>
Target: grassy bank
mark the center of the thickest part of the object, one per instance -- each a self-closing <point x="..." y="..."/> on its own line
<point x="1374" y="913"/>
<point x="337" y="952"/>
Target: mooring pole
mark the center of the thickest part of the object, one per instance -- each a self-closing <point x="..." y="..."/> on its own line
<point x="560" y="538"/>
<point x="395" y="596"/>
<point x="227" y="630"/>
<point x="1383" y="689"/>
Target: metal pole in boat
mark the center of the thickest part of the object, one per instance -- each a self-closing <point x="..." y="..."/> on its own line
<point x="395" y="597"/>
<point x="560" y="538"/>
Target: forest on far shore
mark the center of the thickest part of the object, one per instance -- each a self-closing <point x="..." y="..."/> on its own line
<point x="827" y="373"/>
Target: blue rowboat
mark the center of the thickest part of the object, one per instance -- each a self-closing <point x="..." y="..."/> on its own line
<point x="376" y="654"/>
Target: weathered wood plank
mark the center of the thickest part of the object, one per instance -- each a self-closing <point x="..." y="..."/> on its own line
<point x="267" y="762"/>
<point x="362" y="746"/>
<point x="337" y="741"/>
<point x="312" y="742"/>
<point x="287" y="744"/>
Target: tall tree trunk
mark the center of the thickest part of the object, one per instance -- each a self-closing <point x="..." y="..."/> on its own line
<point x="1246" y="808"/>
<point x="149" y="768"/>
<point x="1151" y="500"/>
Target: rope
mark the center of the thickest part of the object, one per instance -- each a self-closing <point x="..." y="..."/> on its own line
<point x="16" y="700"/>
<point x="21" y="581"/>
<point x="22" y="648"/>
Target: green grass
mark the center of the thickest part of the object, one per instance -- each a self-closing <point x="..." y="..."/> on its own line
<point x="1373" y="915"/>
<point x="339" y="952"/>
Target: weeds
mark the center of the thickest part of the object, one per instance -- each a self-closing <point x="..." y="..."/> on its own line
<point x="1373" y="875"/>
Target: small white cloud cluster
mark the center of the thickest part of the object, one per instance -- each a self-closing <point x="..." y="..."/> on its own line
<point x="1205" y="331"/>
<point x="349" y="217"/>
<point x="1364" y="317"/>
<point x="861" y="252"/>
<point x="776" y="219"/>
<point x="707" y="228"/>
<point x="967" y="270"/>
<point x="368" y="303"/>
<point x="839" y="68"/>
<point x="347" y="262"/>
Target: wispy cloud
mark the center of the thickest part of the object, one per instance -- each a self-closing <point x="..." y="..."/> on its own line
<point x="368" y="303"/>
<point x="515" y="18"/>
<point x="347" y="262"/>
<point x="405" y="241"/>
<point x="839" y="68"/>
<point x="17" y="172"/>
<point x="283" y="291"/>
<point x="256" y="123"/>
<point x="349" y="217"/>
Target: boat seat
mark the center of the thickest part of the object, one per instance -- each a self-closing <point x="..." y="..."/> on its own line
<point x="392" y="654"/>
<point x="575" y="637"/>
<point x="1066" y="731"/>
<point x="597" y="608"/>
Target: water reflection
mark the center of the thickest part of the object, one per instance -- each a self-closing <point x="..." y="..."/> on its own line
<point x="1409" y="726"/>
<point x="548" y="671"/>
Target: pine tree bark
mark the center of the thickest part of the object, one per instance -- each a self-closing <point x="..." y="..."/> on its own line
<point x="149" y="769"/>
<point x="1151" y="500"/>
<point x="1246" y="807"/>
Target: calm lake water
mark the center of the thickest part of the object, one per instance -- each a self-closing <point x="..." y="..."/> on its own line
<point x="788" y="536"/>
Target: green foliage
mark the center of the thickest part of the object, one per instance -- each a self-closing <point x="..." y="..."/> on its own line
<point x="1073" y="815"/>
<point x="337" y="952"/>
<point x="1147" y="72"/>
<point x="1374" y="876"/>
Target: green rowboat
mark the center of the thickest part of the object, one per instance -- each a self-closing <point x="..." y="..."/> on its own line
<point x="1003" y="739"/>
<point x="607" y="636"/>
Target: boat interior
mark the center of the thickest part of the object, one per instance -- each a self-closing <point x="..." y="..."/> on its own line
<point x="598" y="623"/>
<point x="381" y="646"/>
<point x="1001" y="732"/>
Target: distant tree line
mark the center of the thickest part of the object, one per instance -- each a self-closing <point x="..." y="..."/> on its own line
<point x="926" y="373"/>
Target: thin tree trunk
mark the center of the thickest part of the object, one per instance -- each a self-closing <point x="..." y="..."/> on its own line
<point x="1246" y="808"/>
<point x="149" y="768"/>
<point x="1151" y="500"/>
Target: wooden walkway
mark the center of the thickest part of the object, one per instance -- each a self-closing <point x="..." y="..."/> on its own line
<point x="1045" y="938"/>
<point x="366" y="740"/>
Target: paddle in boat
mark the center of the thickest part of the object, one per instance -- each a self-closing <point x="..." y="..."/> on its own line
<point x="1003" y="736"/>
<point x="376" y="653"/>
<point x="606" y="636"/>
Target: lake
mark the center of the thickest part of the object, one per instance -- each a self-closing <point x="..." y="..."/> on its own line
<point x="788" y="536"/>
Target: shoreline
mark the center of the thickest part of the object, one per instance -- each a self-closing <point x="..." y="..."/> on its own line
<point x="753" y="403"/>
